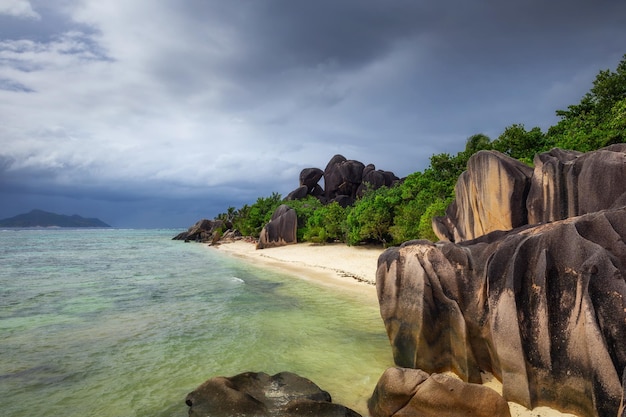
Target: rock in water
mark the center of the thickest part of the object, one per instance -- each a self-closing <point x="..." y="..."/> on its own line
<point x="543" y="308"/>
<point x="254" y="394"/>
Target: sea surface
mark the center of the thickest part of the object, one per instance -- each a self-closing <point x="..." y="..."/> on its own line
<point x="112" y="322"/>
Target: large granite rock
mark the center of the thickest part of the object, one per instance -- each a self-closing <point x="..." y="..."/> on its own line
<point x="298" y="194"/>
<point x="490" y="195"/>
<point x="345" y="181"/>
<point x="568" y="184"/>
<point x="254" y="394"/>
<point x="342" y="177"/>
<point x="500" y="193"/>
<point x="310" y="177"/>
<point x="281" y="229"/>
<point x="202" y="231"/>
<point x="374" y="179"/>
<point x="413" y="392"/>
<point x="622" y="406"/>
<point x="543" y="308"/>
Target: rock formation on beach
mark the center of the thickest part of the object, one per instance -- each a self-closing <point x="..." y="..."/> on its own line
<point x="413" y="392"/>
<point x="528" y="282"/>
<point x="281" y="229"/>
<point x="344" y="181"/>
<point x="500" y="193"/>
<point x="254" y="394"/>
<point x="203" y="230"/>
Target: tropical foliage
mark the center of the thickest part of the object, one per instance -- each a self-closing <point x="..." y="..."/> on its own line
<point x="390" y="216"/>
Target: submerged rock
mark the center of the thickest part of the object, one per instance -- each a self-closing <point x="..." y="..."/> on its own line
<point x="253" y="394"/>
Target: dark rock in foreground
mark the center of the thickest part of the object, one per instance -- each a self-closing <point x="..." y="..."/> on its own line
<point x="254" y="394"/>
<point x="543" y="308"/>
<point x="413" y="392"/>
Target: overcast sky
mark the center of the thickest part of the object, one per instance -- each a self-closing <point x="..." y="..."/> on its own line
<point x="156" y="113"/>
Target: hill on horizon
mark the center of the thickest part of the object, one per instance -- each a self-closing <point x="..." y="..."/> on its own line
<point x="40" y="218"/>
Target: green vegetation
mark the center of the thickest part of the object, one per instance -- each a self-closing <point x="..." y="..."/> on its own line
<point x="390" y="216"/>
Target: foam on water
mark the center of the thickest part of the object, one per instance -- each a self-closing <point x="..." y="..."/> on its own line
<point x="127" y="322"/>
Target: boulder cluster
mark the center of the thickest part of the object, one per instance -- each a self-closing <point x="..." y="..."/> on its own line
<point x="211" y="231"/>
<point x="344" y="181"/>
<point x="528" y="283"/>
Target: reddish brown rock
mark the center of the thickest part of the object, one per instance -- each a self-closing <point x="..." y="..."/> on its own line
<point x="568" y="184"/>
<point x="403" y="392"/>
<point x="543" y="308"/>
<point x="500" y="193"/>
<point x="490" y="195"/>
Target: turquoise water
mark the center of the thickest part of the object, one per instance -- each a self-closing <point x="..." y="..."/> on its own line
<point x="108" y="322"/>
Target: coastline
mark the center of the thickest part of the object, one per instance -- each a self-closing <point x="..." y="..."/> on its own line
<point x="349" y="268"/>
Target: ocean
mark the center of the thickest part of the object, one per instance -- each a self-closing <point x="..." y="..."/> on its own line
<point x="112" y="322"/>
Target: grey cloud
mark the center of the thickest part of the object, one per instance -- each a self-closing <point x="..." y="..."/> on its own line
<point x="11" y="85"/>
<point x="130" y="102"/>
<point x="21" y="9"/>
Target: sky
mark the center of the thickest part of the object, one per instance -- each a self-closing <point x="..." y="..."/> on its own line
<point x="152" y="113"/>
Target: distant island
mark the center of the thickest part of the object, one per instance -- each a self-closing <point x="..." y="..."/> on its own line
<point x="40" y="218"/>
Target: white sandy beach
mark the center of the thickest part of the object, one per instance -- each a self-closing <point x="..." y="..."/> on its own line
<point x="348" y="267"/>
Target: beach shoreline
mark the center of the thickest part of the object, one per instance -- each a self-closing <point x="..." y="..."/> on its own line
<point x="348" y="268"/>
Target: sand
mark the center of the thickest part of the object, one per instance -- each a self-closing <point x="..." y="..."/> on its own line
<point x="349" y="267"/>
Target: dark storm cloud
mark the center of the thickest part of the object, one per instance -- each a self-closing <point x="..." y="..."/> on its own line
<point x="212" y="103"/>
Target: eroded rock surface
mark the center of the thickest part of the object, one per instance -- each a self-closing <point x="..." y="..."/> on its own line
<point x="253" y="394"/>
<point x="500" y="193"/>
<point x="281" y="229"/>
<point x="342" y="177"/>
<point x="413" y="392"/>
<point x="202" y="231"/>
<point x="568" y="183"/>
<point x="542" y="308"/>
<point x="490" y="195"/>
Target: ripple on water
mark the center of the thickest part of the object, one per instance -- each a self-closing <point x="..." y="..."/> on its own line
<point x="126" y="323"/>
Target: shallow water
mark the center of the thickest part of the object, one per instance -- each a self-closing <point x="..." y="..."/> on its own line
<point x="115" y="322"/>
